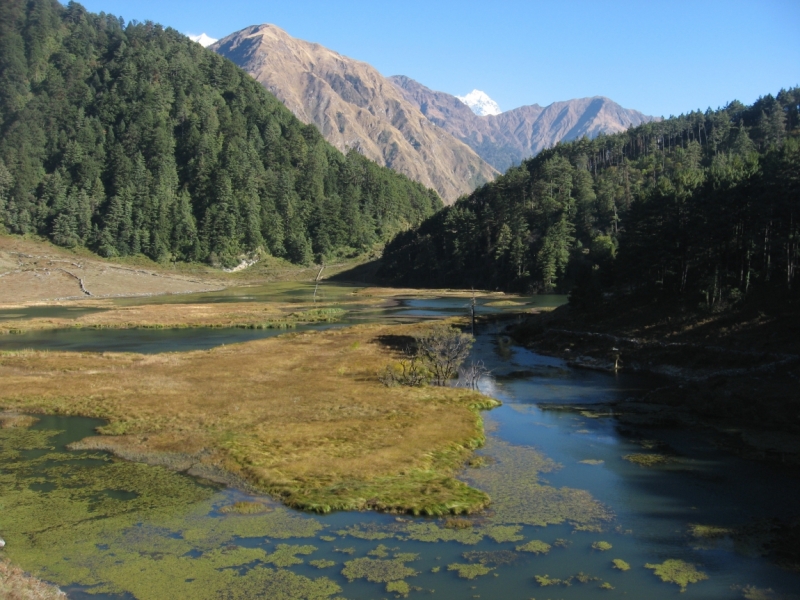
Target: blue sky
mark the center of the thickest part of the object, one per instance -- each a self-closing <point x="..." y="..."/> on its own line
<point x="659" y="57"/>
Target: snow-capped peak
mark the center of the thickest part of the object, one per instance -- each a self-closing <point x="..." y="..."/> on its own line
<point x="202" y="39"/>
<point x="480" y="103"/>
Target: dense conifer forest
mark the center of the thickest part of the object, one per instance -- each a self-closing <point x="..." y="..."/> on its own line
<point x="131" y="139"/>
<point x="704" y="206"/>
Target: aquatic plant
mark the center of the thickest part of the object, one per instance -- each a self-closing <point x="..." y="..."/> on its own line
<point x="492" y="557"/>
<point x="621" y="565"/>
<point x="457" y="523"/>
<point x="328" y="538"/>
<point x="322" y="563"/>
<point x="470" y="571"/>
<point x="535" y="546"/>
<point x="709" y="532"/>
<point x="519" y="497"/>
<point x="381" y="551"/>
<point x="601" y="546"/>
<point x="592" y="461"/>
<point x="678" y="572"/>
<point x="246" y="508"/>
<point x="606" y="586"/>
<point x="9" y="420"/>
<point x="648" y="460"/>
<point x="436" y="569"/>
<point x="365" y="533"/>
<point x="546" y="581"/>
<point x="504" y="533"/>
<point x="285" y="555"/>
<point x="398" y="587"/>
<point x="430" y="532"/>
<point x="377" y="570"/>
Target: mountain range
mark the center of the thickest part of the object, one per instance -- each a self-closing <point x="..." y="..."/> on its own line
<point x="433" y="137"/>
<point x="354" y="106"/>
<point x="510" y="137"/>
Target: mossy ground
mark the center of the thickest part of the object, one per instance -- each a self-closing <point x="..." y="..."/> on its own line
<point x="301" y="416"/>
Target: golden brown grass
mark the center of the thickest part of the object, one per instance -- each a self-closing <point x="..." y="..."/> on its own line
<point x="166" y="316"/>
<point x="301" y="416"/>
<point x="16" y="585"/>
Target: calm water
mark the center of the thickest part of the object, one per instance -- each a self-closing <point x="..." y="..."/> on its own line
<point x="652" y="507"/>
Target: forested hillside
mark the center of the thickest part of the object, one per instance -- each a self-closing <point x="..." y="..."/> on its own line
<point x="132" y="139"/>
<point x="704" y="206"/>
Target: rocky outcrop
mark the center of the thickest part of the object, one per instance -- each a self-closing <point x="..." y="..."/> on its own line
<point x="354" y="106"/>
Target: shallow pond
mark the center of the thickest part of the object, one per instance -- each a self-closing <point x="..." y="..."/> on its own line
<point x="566" y="506"/>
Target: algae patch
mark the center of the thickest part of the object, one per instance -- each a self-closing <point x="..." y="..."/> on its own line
<point x="621" y="565"/>
<point x="470" y="571"/>
<point x="678" y="572"/>
<point x="535" y="547"/>
<point x="136" y="529"/>
<point x="377" y="570"/>
<point x="601" y="546"/>
<point x="649" y="460"/>
<point x="519" y="497"/>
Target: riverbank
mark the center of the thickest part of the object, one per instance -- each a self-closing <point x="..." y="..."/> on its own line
<point x="301" y="416"/>
<point x="16" y="584"/>
<point x="736" y="373"/>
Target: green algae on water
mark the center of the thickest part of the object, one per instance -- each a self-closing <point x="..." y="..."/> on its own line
<point x="470" y="571"/>
<point x="285" y="555"/>
<point x="136" y="529"/>
<point x="678" y="572"/>
<point x="246" y="508"/>
<point x="649" y="460"/>
<point x="621" y="565"/>
<point x="377" y="570"/>
<point x="535" y="547"/>
<point x="601" y="546"/>
<point x="380" y="552"/>
<point x="504" y="533"/>
<point x="365" y="533"/>
<point x="519" y="497"/>
<point x="398" y="587"/>
<point x="492" y="557"/>
<point x="322" y="563"/>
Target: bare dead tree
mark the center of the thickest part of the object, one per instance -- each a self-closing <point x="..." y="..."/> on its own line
<point x="470" y="376"/>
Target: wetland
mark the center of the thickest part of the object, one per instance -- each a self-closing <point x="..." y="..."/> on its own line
<point x="223" y="460"/>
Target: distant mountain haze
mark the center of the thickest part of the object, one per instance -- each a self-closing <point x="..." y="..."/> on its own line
<point x="354" y="106"/>
<point x="510" y="137"/>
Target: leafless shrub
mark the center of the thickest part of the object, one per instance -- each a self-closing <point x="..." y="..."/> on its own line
<point x="470" y="376"/>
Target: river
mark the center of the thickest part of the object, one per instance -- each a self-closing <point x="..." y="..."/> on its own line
<point x="566" y="505"/>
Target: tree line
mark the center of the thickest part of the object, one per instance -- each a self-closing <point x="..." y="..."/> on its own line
<point x="703" y="206"/>
<point x="131" y="139"/>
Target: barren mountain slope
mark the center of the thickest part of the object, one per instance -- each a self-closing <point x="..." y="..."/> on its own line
<point x="354" y="106"/>
<point x="515" y="135"/>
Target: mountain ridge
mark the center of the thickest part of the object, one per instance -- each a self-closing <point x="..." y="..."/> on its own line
<point x="354" y="106"/>
<point x="512" y="136"/>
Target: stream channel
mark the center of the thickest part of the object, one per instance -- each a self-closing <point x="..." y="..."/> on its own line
<point x="556" y="477"/>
